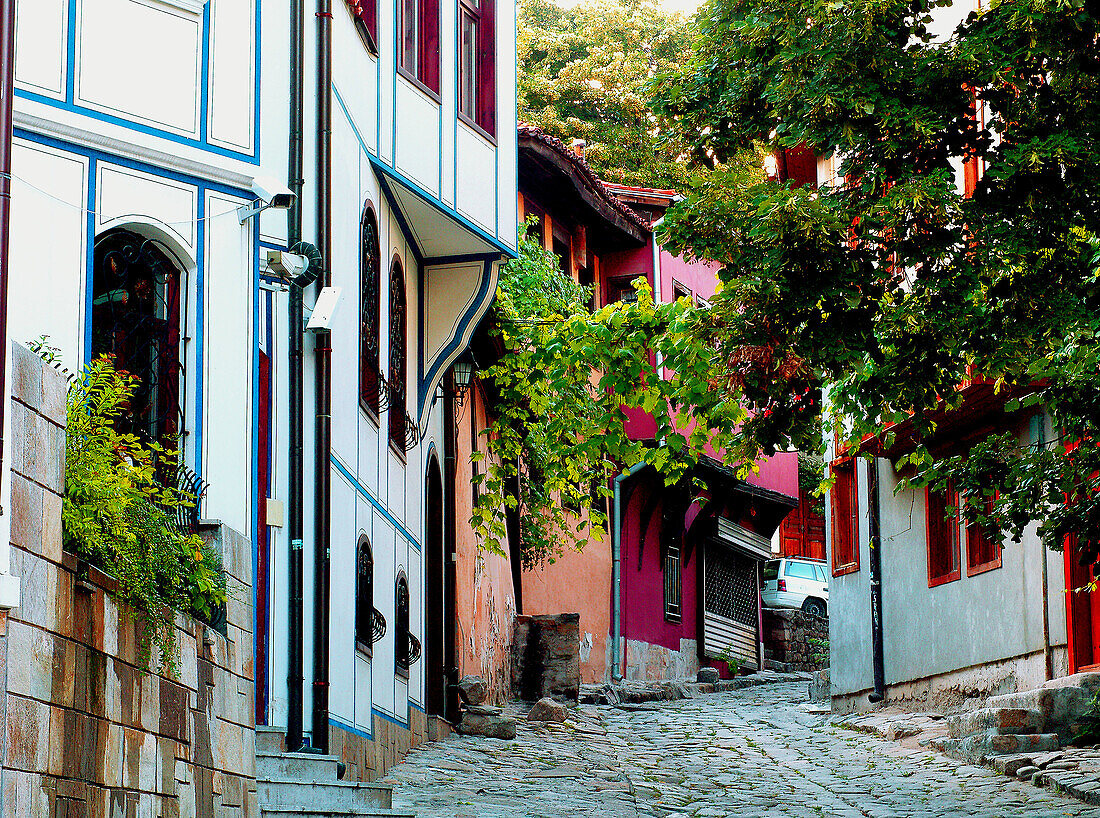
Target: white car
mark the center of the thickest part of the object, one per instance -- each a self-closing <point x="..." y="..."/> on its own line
<point x="795" y="582"/>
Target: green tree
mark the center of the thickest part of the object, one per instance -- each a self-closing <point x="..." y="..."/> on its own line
<point x="559" y="389"/>
<point x="891" y="286"/>
<point x="583" y="73"/>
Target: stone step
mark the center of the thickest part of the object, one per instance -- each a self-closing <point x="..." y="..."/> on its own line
<point x="297" y="766"/>
<point x="270" y="739"/>
<point x="1060" y="702"/>
<point x="997" y="720"/>
<point x="321" y="795"/>
<point x="976" y="747"/>
<point x="332" y="812"/>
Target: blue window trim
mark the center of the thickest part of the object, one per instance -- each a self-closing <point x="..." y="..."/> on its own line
<point x="202" y="142"/>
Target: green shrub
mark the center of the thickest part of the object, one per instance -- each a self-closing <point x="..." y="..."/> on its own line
<point x="120" y="517"/>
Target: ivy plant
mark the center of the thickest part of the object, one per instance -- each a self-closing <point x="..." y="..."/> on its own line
<point x="120" y="517"/>
<point x="563" y="388"/>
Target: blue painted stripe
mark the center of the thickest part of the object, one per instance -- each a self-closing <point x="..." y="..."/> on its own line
<point x="343" y="725"/>
<point x="126" y="162"/>
<point x="138" y="127"/>
<point x="359" y="487"/>
<point x="204" y="91"/>
<point x="416" y="706"/>
<point x="70" y="57"/>
<point x="200" y="327"/>
<point x="416" y="189"/>
<point x="392" y="719"/>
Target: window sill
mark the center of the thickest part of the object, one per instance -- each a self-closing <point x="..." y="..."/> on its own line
<point x="401" y="673"/>
<point x="850" y="568"/>
<point x="369" y="411"/>
<point x="484" y="134"/>
<point x="420" y="86"/>
<point x="983" y="568"/>
<point x="675" y="619"/>
<point x="366" y="651"/>
<point x="397" y="452"/>
<point x="934" y="581"/>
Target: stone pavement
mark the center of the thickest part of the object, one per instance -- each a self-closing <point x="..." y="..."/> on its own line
<point x="751" y="752"/>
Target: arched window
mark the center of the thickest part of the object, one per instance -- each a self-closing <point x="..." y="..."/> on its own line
<point x="370" y="264"/>
<point x="403" y="641"/>
<point x="364" y="597"/>
<point x="136" y="305"/>
<point x="399" y="347"/>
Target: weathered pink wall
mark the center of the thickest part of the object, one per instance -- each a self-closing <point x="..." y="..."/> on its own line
<point x="578" y="582"/>
<point x="485" y="597"/>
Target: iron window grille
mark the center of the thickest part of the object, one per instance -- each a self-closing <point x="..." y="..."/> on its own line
<point x="673" y="583"/>
<point x="370" y="263"/>
<point x="414" y="650"/>
<point x="364" y="597"/>
<point x="139" y="316"/>
<point x="378" y="626"/>
<point x="402" y="638"/>
<point x="399" y="346"/>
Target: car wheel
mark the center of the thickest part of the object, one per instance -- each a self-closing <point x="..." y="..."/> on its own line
<point x="815" y="607"/>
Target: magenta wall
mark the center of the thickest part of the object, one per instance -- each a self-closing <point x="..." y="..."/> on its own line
<point x="700" y="277"/>
<point x="643" y="590"/>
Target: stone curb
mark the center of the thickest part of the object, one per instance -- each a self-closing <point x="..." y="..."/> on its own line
<point x="640" y="693"/>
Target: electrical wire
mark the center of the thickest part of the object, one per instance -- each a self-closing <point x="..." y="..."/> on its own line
<point x="89" y="211"/>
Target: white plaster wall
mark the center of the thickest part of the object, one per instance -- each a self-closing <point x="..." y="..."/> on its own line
<point x="231" y="114"/>
<point x="41" y="36"/>
<point x="48" y="248"/>
<point x="228" y="366"/>
<point x="976" y="620"/>
<point x="477" y="173"/>
<point x="156" y="77"/>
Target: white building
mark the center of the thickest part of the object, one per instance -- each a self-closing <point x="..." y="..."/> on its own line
<point x="142" y="127"/>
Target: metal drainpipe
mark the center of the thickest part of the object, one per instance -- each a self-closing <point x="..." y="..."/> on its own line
<point x="617" y="570"/>
<point x="323" y="374"/>
<point x="295" y="680"/>
<point x="874" y="520"/>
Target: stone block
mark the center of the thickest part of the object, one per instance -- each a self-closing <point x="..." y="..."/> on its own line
<point x="55" y="394"/>
<point x="707" y="675"/>
<point x="53" y="475"/>
<point x="26" y="375"/>
<point x="26" y="514"/>
<point x="473" y="690"/>
<point x="36" y="600"/>
<point x="28" y="734"/>
<point x="546" y="709"/>
<point x="486" y="721"/>
<point x="546" y="656"/>
<point x="31" y="674"/>
<point x="1002" y="720"/>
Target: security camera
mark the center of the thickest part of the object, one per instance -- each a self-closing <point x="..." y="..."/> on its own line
<point x="272" y="192"/>
<point x="286" y="266"/>
<point x="269" y="194"/>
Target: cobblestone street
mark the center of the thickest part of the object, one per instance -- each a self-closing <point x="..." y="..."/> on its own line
<point x="748" y="753"/>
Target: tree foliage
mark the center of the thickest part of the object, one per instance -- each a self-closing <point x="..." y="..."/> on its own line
<point x="583" y="73"/>
<point x="560" y="389"/>
<point x="892" y="286"/>
<point x="119" y="516"/>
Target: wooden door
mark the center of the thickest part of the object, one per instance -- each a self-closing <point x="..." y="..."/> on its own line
<point x="1083" y="612"/>
<point x="802" y="532"/>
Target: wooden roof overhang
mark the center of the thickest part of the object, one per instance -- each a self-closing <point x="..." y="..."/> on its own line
<point x="564" y="185"/>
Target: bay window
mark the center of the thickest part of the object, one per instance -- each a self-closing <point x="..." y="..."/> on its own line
<point x="418" y="46"/>
<point x="477" y="64"/>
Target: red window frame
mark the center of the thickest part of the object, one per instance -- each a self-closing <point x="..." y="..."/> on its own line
<point x="983" y="551"/>
<point x="944" y="563"/>
<point x="844" y="507"/>
<point x="424" y="68"/>
<point x="365" y="13"/>
<point x="481" y="112"/>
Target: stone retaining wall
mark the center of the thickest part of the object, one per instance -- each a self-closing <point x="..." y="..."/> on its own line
<point x="787" y="635"/>
<point x="90" y="731"/>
